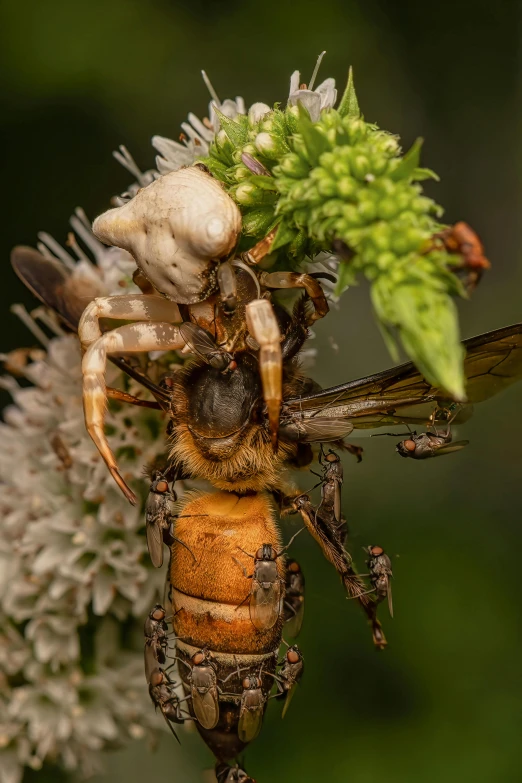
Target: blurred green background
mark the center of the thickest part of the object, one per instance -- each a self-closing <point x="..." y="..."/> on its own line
<point x="79" y="78"/>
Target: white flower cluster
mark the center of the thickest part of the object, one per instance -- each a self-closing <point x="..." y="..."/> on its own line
<point x="71" y="552"/>
<point x="73" y="560"/>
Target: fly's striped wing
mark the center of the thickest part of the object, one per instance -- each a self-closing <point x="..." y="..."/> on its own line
<point x="401" y="395"/>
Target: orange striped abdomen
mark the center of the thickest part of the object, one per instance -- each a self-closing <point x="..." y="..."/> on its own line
<point x="211" y="595"/>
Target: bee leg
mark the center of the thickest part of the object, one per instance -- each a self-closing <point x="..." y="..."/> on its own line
<point x="326" y="535"/>
<point x="128" y="307"/>
<point x="126" y="339"/>
<point x="296" y="280"/>
<point x="262" y="325"/>
<point x="121" y="396"/>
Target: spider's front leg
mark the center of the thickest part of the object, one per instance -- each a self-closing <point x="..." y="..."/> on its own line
<point x="131" y="338"/>
<point x="297" y="280"/>
<point x="128" y="307"/>
<point x="262" y="325"/>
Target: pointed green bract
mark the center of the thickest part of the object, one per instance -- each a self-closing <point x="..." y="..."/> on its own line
<point x="409" y="163"/>
<point x="349" y="105"/>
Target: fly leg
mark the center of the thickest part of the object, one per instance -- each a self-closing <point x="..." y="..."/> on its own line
<point x="296" y="280"/>
<point x="262" y="325"/>
<point x="131" y="338"/>
<point x="128" y="307"/>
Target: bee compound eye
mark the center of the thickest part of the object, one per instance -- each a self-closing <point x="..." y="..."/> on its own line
<point x="162" y="486"/>
<point x="292" y="656"/>
<point x="376" y="551"/>
<point x="409" y="445"/>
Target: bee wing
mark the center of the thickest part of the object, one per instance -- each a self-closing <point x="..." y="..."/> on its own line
<point x="206" y="707"/>
<point x="51" y="284"/>
<point x="265" y="605"/>
<point x="155" y="543"/>
<point x="57" y="289"/>
<point x="449" y="448"/>
<point x="249" y="726"/>
<point x="402" y="395"/>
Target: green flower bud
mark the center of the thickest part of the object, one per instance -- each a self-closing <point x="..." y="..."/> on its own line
<point x="293" y="166"/>
<point x="270" y="145"/>
<point x="346" y="187"/>
<point x="327" y="187"/>
<point x="360" y="166"/>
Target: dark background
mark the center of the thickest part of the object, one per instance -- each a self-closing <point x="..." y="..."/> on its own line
<point x="77" y="79"/>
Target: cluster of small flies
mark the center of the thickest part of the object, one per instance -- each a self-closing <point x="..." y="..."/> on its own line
<point x="241" y="415"/>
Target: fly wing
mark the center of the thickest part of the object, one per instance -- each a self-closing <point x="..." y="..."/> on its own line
<point x="401" y="395"/>
<point x="289" y="697"/>
<point x="206" y="707"/>
<point x="449" y="448"/>
<point x="249" y="726"/>
<point x="198" y="339"/>
<point x="265" y="605"/>
<point x="295" y="621"/>
<point x="169" y="724"/>
<point x="155" y="543"/>
<point x="390" y="600"/>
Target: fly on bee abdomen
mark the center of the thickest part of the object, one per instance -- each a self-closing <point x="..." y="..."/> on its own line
<point x="210" y="613"/>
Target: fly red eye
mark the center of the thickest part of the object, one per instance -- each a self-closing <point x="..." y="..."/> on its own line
<point x="198" y="658"/>
<point x="162" y="486"/>
<point x="246" y="683"/>
<point x="409" y="445"/>
<point x="376" y="551"/>
<point x="156" y="678"/>
<point x="294" y="567"/>
<point x="259" y="553"/>
<point x="332" y="458"/>
<point x="159" y="613"/>
<point x="293" y="656"/>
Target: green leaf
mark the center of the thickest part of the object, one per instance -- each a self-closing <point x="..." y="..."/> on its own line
<point x="285" y="234"/>
<point x="409" y="163"/>
<point x="257" y="222"/>
<point x="349" y="105"/>
<point x="315" y="142"/>
<point x="236" y="132"/>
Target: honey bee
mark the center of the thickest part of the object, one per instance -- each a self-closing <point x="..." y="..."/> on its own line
<point x="241" y="414"/>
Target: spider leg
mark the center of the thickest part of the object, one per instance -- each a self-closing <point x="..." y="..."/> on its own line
<point x="126" y="339"/>
<point x="128" y="307"/>
<point x="297" y="280"/>
<point x="262" y="325"/>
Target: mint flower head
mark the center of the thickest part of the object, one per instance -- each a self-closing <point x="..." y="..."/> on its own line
<point x="324" y="180"/>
